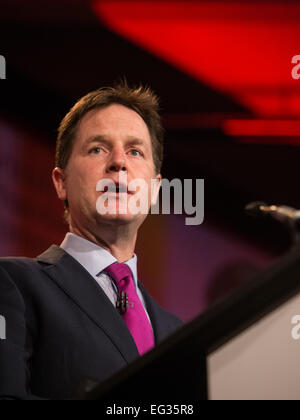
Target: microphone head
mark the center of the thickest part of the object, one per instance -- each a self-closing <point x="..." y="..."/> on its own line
<point x="254" y="209"/>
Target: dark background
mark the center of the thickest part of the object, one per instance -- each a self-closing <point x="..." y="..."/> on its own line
<point x="230" y="106"/>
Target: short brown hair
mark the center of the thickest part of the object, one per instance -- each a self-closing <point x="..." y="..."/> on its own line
<point x="140" y="99"/>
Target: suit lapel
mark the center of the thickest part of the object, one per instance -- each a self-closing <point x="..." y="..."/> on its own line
<point x="81" y="287"/>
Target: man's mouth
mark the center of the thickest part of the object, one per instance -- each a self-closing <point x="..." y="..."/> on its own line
<point x="117" y="188"/>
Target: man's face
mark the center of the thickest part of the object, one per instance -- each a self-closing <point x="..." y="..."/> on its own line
<point x="109" y="141"/>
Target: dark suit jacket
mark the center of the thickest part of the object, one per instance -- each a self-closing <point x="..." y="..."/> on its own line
<point x="60" y="327"/>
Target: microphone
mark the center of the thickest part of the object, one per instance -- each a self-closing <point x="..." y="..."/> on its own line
<point x="283" y="214"/>
<point x="123" y="303"/>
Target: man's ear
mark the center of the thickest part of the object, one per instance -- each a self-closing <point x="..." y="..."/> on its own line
<point x="59" y="181"/>
<point x="156" y="184"/>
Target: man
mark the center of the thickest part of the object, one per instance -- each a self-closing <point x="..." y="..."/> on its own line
<point x="78" y="310"/>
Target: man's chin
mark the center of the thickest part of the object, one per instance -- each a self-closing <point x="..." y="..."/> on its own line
<point x="119" y="218"/>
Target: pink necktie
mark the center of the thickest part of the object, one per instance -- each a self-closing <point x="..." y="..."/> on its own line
<point x="131" y="308"/>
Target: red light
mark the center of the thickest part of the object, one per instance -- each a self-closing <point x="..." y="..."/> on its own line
<point x="243" y="49"/>
<point x="262" y="128"/>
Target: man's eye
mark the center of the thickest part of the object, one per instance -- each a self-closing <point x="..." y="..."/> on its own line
<point x="135" y="152"/>
<point x="95" y="150"/>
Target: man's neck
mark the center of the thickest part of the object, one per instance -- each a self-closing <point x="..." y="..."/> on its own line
<point x="119" y="241"/>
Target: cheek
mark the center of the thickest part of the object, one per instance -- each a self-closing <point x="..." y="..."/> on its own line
<point x="145" y="171"/>
<point x="82" y="180"/>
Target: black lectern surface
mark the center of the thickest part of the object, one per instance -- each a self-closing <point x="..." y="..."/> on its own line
<point x="176" y="370"/>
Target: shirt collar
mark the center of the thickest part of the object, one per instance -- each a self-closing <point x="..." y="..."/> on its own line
<point x="93" y="257"/>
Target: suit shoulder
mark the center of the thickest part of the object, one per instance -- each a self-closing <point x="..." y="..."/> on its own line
<point x="19" y="267"/>
<point x="17" y="262"/>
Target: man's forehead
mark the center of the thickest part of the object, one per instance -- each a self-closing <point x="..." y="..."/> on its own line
<point x="113" y="117"/>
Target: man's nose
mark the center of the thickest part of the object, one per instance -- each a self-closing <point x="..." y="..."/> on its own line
<point x="117" y="161"/>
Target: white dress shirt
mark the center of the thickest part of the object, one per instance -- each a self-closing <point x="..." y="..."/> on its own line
<point x="95" y="259"/>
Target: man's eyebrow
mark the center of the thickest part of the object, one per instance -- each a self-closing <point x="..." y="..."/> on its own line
<point x="96" y="139"/>
<point x="131" y="141"/>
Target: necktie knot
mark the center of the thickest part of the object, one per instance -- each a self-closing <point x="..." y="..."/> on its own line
<point x="120" y="273"/>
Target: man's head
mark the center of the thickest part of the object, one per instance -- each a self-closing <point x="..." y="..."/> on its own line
<point x="108" y="131"/>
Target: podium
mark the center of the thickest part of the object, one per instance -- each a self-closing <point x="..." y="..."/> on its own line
<point x="244" y="347"/>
